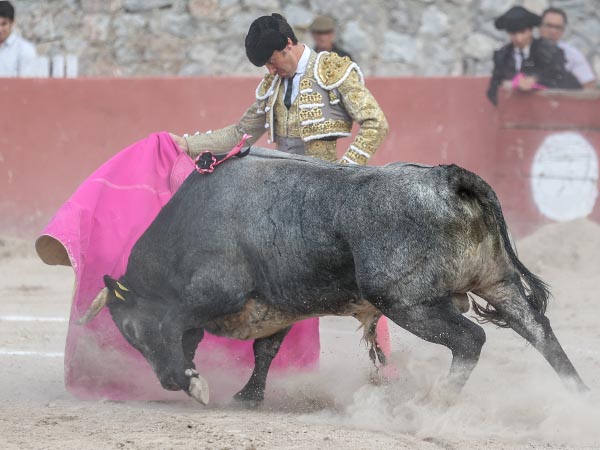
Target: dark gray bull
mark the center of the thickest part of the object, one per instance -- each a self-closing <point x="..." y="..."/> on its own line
<point x="271" y="239"/>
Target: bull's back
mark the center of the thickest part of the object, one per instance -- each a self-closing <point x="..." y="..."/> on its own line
<point x="295" y="226"/>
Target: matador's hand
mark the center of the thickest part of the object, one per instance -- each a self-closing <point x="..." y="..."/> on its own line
<point x="181" y="142"/>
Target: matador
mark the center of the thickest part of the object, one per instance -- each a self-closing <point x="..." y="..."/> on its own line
<point x="305" y="103"/>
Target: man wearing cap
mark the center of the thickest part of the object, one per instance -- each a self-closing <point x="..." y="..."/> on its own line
<point x="323" y="33"/>
<point x="306" y="101"/>
<point x="529" y="62"/>
<point x="554" y="22"/>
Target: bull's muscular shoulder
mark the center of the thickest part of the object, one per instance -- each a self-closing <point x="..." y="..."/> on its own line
<point x="265" y="88"/>
<point x="331" y="69"/>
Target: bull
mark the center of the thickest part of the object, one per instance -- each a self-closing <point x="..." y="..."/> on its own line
<point x="271" y="239"/>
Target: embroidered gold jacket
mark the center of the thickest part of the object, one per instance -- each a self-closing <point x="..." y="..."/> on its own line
<point x="331" y="95"/>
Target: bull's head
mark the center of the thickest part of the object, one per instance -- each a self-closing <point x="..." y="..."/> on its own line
<point x="157" y="332"/>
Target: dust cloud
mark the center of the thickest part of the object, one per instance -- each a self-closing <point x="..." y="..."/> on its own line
<point x="513" y="400"/>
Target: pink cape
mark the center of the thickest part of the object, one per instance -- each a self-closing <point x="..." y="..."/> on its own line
<point x="97" y="227"/>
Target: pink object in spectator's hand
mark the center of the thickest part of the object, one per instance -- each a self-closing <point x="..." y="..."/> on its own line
<point x="517" y="78"/>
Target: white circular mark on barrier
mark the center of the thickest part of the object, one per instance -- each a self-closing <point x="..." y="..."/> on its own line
<point x="565" y="177"/>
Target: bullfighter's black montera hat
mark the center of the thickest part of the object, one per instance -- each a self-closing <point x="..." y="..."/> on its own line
<point x="516" y="19"/>
<point x="267" y="34"/>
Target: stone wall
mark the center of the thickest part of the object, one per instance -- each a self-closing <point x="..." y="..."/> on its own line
<point x="205" y="37"/>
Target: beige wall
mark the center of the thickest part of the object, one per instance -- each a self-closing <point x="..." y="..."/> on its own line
<point x="205" y="37"/>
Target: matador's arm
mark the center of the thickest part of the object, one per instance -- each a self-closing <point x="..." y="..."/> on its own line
<point x="222" y="140"/>
<point x="364" y="109"/>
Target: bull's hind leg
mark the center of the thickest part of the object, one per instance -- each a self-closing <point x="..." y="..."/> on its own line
<point x="265" y="350"/>
<point x="440" y="322"/>
<point x="510" y="301"/>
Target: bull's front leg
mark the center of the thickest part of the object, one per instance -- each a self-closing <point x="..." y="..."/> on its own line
<point x="198" y="386"/>
<point x="171" y="357"/>
<point x="265" y="350"/>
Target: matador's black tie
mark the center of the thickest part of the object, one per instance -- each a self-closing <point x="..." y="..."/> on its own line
<point x="287" y="100"/>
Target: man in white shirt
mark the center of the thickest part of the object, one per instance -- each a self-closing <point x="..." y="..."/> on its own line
<point x="17" y="55"/>
<point x="554" y="21"/>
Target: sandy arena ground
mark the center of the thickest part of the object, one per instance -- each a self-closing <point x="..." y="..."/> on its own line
<point x="512" y="401"/>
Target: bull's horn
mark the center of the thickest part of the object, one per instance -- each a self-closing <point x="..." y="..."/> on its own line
<point x="119" y="295"/>
<point x="97" y="304"/>
<point x="123" y="288"/>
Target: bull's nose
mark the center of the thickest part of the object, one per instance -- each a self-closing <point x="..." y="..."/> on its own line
<point x="170" y="386"/>
<point x="169" y="383"/>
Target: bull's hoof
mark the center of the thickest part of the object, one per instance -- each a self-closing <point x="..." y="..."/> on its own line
<point x="249" y="398"/>
<point x="199" y="389"/>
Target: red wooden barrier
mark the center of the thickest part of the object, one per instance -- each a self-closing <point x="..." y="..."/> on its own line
<point x="547" y="157"/>
<point x="53" y="133"/>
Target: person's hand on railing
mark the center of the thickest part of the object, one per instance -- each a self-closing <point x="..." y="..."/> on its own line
<point x="527" y="83"/>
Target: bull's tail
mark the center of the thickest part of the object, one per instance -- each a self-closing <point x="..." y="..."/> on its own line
<point x="468" y="185"/>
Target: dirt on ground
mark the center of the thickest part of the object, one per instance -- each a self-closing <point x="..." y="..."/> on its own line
<point x="513" y="400"/>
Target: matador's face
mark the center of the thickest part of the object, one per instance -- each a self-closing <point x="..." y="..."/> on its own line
<point x="283" y="62"/>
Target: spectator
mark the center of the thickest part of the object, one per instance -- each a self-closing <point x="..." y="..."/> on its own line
<point x="554" y="22"/>
<point x="530" y="63"/>
<point x="323" y="33"/>
<point x="17" y="56"/>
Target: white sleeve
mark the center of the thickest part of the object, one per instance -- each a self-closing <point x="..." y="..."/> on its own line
<point x="580" y="67"/>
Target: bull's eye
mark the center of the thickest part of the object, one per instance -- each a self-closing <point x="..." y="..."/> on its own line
<point x="128" y="329"/>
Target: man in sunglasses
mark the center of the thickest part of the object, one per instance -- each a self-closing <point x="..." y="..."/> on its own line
<point x="554" y="22"/>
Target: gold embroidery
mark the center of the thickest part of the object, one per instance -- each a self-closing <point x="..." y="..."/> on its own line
<point x="311" y="114"/>
<point x="311" y="99"/>
<point x="332" y="68"/>
<point x="356" y="157"/>
<point x="322" y="149"/>
<point x="305" y="83"/>
<point x="327" y="128"/>
<point x="355" y="96"/>
<point x="265" y="84"/>
<point x="363" y="108"/>
<point x="366" y="142"/>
